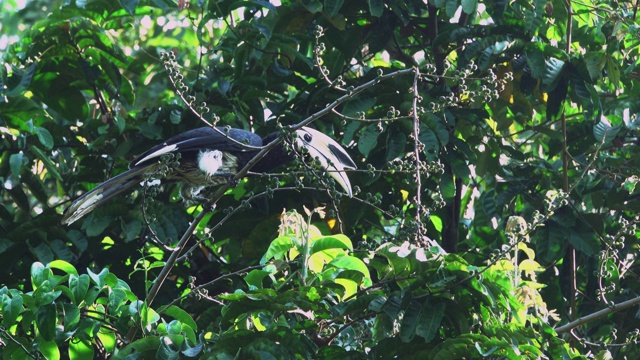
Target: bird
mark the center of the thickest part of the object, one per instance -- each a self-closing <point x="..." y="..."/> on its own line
<point x="204" y="157"/>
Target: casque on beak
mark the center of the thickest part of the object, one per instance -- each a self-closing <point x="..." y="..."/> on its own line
<point x="328" y="153"/>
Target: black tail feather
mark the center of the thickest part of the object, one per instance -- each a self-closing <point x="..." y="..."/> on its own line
<point x="103" y="192"/>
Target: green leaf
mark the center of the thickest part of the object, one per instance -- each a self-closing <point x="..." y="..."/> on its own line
<point x="15" y="163"/>
<point x="149" y="343"/>
<point x="396" y="142"/>
<point x="368" y="139"/>
<point x="46" y="161"/>
<point x="552" y="72"/>
<point x="595" y="62"/>
<point x="80" y="349"/>
<point x="45" y="138"/>
<point x="536" y="62"/>
<point x="451" y="7"/>
<point x="277" y="249"/>
<point x="429" y="321"/>
<point x="100" y="278"/>
<point x="129" y="6"/>
<point x="455" y="348"/>
<point x="149" y="316"/>
<point x="181" y="315"/>
<point x="49" y="349"/>
<point x="45" y="295"/>
<point x="255" y="277"/>
<point x="469" y="6"/>
<point x="350" y="263"/>
<point x="332" y="7"/>
<point x="338" y="241"/>
<point x="46" y="321"/>
<point x="613" y="72"/>
<point x="361" y="304"/>
<point x="584" y="242"/>
<point x="313" y="6"/>
<point x="376" y="7"/>
<point x="71" y="316"/>
<point x="410" y="321"/>
<point x="431" y="143"/>
<point x="27" y="75"/>
<point x="11" y="309"/>
<point x="604" y="132"/>
<point x="579" y="87"/>
<point x="239" y="4"/>
<point x="94" y="224"/>
<point x="39" y="274"/>
<point x="167" y="350"/>
<point x="64" y="266"/>
<point x="358" y="104"/>
<point x="557" y="98"/>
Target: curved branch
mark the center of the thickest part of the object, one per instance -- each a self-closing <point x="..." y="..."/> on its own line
<point x="598" y="314"/>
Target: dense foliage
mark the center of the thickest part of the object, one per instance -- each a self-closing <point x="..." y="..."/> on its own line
<point x="495" y="204"/>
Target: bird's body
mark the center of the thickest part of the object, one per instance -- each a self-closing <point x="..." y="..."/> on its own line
<point x="206" y="157"/>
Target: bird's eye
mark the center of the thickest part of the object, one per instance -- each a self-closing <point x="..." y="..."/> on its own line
<point x="307" y="137"/>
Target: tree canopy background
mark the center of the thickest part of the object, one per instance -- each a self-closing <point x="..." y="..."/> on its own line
<point x="495" y="210"/>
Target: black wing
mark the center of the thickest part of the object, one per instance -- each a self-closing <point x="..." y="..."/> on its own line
<point x="203" y="138"/>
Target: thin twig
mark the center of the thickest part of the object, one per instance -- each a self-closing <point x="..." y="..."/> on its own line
<point x="205" y="285"/>
<point x="416" y="152"/>
<point x="13" y="340"/>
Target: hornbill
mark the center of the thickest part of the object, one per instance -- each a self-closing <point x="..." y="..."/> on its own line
<point x="206" y="158"/>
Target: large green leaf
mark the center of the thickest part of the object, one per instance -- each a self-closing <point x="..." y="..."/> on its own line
<point x="604" y="132"/>
<point x="46" y="321"/>
<point x="25" y="80"/>
<point x="429" y="322"/>
<point x="557" y="98"/>
<point x="11" y="308"/>
<point x="277" y="249"/>
<point x="410" y="321"/>
<point x="338" y="241"/>
<point x="469" y="6"/>
<point x="350" y="263"/>
<point x="368" y="139"/>
<point x="552" y="73"/>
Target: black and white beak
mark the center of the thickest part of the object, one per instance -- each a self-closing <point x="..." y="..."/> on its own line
<point x="328" y="153"/>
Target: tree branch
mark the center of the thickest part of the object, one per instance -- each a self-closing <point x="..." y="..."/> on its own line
<point x="598" y="314"/>
<point x="171" y="261"/>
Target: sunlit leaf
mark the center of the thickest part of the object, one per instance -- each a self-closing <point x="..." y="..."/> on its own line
<point x="129" y="5"/>
<point x="338" y="241"/>
<point x="277" y="249"/>
<point x="604" y="132"/>
<point x="49" y="349"/>
<point x="80" y="349"/>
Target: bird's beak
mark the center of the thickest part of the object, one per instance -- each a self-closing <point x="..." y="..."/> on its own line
<point x="328" y="153"/>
